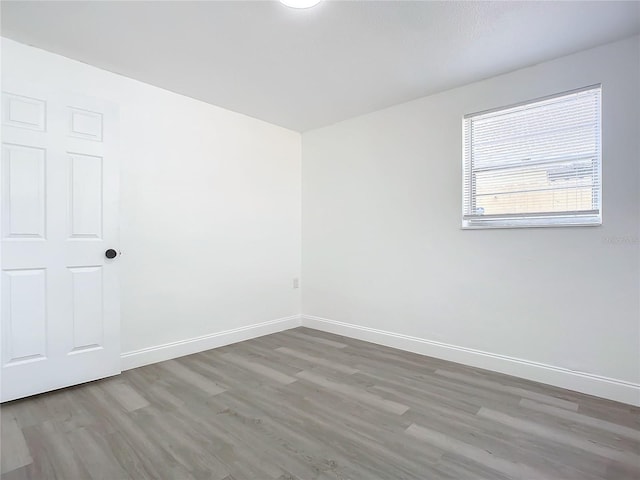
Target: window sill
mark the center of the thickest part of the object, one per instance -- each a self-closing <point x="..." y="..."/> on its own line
<point x="531" y="223"/>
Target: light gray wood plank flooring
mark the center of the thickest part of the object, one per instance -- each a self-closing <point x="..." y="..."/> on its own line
<point x="304" y="404"/>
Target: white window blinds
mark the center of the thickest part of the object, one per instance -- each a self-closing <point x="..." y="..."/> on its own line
<point x="536" y="164"/>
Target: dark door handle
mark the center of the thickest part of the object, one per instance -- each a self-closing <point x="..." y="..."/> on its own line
<point x="111" y="253"/>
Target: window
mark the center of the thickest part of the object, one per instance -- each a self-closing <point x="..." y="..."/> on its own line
<point x="534" y="165"/>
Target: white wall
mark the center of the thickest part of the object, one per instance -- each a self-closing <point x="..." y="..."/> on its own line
<point x="211" y="227"/>
<point x="383" y="248"/>
<point x="210" y="202"/>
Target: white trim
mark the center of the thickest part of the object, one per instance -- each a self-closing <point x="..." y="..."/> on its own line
<point x="160" y="353"/>
<point x="535" y="100"/>
<point x="613" y="389"/>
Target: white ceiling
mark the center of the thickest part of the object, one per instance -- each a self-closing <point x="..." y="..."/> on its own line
<point x="303" y="69"/>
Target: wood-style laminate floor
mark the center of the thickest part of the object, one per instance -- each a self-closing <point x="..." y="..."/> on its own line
<point x="304" y="404"/>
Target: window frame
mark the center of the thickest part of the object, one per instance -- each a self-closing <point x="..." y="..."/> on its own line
<point x="538" y="219"/>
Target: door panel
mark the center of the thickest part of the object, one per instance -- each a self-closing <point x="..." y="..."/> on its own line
<point x="24" y="191"/>
<point x="24" y="310"/>
<point x="86" y="284"/>
<point x="86" y="124"/>
<point x="85" y="196"/>
<point x="23" y="112"/>
<point x="60" y="302"/>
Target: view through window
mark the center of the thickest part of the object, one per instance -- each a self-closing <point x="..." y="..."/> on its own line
<point x="536" y="164"/>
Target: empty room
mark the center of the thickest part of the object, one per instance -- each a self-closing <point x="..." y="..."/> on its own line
<point x="320" y="239"/>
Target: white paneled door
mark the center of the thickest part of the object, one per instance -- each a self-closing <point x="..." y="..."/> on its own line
<point x="59" y="189"/>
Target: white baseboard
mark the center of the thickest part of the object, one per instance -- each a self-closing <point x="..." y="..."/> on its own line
<point x="160" y="353"/>
<point x="613" y="389"/>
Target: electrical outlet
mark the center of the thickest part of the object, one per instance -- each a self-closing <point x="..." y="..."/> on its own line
<point x="296" y="283"/>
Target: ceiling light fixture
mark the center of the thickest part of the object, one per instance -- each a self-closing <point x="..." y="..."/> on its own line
<point x="300" y="3"/>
